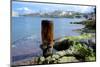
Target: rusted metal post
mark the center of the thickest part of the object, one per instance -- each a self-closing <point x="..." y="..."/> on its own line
<point x="47" y="37"/>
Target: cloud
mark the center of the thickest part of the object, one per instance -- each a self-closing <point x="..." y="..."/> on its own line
<point x="31" y="7"/>
<point x="25" y="10"/>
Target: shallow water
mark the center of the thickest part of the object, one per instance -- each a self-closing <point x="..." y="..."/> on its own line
<point x="26" y="34"/>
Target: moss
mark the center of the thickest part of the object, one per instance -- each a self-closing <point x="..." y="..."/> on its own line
<point x="90" y="58"/>
<point x="82" y="36"/>
<point x="67" y="59"/>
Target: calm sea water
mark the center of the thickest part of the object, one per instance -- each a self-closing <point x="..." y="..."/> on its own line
<point x="26" y="34"/>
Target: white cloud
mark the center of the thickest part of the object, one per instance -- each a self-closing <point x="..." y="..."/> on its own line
<point x="25" y="10"/>
<point x="30" y="7"/>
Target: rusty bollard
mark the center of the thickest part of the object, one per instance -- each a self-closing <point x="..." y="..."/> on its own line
<point x="47" y="37"/>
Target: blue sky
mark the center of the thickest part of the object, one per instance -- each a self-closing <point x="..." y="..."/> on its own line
<point x="31" y="7"/>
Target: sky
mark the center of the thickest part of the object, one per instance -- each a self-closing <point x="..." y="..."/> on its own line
<point x="31" y="7"/>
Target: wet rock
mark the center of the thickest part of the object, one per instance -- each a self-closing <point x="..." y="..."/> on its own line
<point x="56" y="56"/>
<point x="48" y="58"/>
<point x="63" y="45"/>
<point x="61" y="53"/>
<point x="42" y="58"/>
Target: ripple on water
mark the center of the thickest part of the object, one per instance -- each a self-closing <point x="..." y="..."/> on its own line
<point x="26" y="47"/>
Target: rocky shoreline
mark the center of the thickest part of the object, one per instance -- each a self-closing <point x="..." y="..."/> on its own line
<point x="68" y="49"/>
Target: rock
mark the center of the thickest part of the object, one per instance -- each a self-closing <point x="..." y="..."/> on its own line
<point x="55" y="56"/>
<point x="67" y="59"/>
<point x="70" y="51"/>
<point x="90" y="43"/>
<point x="63" y="45"/>
<point x="48" y="58"/>
<point x="90" y="58"/>
<point x="61" y="53"/>
<point x="84" y="41"/>
<point x="53" y="59"/>
<point x="42" y="59"/>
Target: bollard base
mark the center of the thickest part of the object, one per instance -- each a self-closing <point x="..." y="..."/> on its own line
<point x="47" y="50"/>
